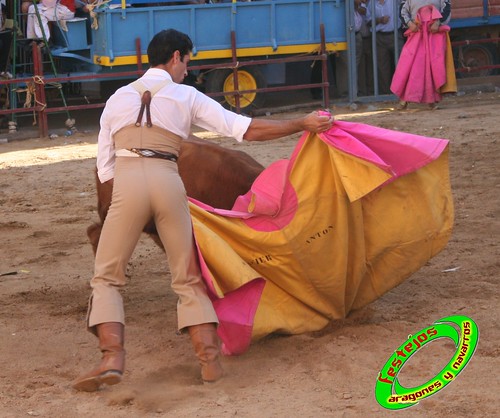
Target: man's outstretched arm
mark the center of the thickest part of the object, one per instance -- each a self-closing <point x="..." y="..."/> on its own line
<point x="265" y="129"/>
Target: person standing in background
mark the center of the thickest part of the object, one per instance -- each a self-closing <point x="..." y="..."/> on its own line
<point x="410" y="8"/>
<point x="386" y="21"/>
<point x="426" y="68"/>
<point x="365" y="75"/>
<point x="2" y="16"/>
<point x="49" y="11"/>
<point x="341" y="59"/>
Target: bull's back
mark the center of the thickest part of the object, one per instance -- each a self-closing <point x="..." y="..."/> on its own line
<point x="215" y="175"/>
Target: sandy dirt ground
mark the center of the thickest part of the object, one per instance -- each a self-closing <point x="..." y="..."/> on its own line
<point x="47" y="200"/>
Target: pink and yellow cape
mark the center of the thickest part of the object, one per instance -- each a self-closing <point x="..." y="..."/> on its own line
<point x="351" y="215"/>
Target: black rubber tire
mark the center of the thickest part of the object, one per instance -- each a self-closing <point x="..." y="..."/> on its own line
<point x="475" y="55"/>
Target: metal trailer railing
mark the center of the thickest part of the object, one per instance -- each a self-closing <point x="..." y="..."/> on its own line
<point x="37" y="84"/>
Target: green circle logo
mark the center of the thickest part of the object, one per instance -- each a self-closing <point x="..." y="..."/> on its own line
<point x="464" y="333"/>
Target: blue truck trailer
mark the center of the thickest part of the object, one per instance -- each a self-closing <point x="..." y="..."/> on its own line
<point x="254" y="35"/>
<point x="250" y="39"/>
<point x="475" y="31"/>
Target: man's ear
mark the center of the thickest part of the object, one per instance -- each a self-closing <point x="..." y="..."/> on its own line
<point x="177" y="56"/>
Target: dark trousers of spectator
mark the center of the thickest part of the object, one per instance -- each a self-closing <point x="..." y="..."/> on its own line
<point x="341" y="67"/>
<point x="5" y="42"/>
<point x="385" y="59"/>
<point x="365" y="69"/>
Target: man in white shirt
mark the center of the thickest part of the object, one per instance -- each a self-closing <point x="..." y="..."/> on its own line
<point x="2" y="18"/>
<point x="365" y="75"/>
<point x="386" y="20"/>
<point x="341" y="59"/>
<point x="142" y="127"/>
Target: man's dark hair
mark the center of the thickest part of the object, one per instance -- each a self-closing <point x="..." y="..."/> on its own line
<point x="165" y="43"/>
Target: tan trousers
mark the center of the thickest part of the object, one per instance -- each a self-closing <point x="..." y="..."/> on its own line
<point x="146" y="187"/>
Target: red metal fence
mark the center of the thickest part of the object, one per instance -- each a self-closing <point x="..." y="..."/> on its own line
<point x="35" y="85"/>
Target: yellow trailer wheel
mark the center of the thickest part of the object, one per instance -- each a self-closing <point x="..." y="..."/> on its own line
<point x="249" y="78"/>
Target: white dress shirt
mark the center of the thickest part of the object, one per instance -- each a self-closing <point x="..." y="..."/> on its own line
<point x="175" y="107"/>
<point x="358" y="19"/>
<point x="384" y="8"/>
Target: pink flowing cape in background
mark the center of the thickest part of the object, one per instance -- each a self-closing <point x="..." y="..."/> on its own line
<point x="421" y="69"/>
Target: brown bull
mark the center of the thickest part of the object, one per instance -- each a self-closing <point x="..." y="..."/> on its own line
<point x="211" y="174"/>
